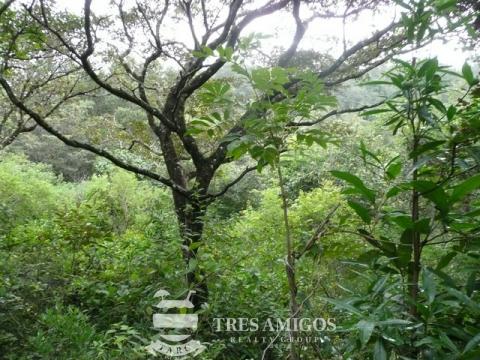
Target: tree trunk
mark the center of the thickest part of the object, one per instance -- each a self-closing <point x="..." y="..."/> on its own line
<point x="189" y="213"/>
<point x="414" y="269"/>
<point x="191" y="223"/>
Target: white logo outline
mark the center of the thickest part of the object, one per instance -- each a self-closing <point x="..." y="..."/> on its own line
<point x="174" y="344"/>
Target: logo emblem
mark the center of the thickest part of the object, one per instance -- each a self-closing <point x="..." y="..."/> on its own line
<point x="175" y="327"/>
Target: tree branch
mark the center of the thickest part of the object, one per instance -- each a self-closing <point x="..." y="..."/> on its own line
<point x="319" y="232"/>
<point x="335" y="112"/>
<point x="5" y="6"/>
<point x="212" y="197"/>
<point x="77" y="144"/>
<point x="84" y="58"/>
<point x="299" y="32"/>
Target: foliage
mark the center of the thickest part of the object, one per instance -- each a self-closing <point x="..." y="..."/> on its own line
<point x="363" y="213"/>
<point x="435" y="311"/>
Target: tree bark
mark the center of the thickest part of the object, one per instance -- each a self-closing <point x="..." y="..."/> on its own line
<point x="189" y="209"/>
<point x="191" y="223"/>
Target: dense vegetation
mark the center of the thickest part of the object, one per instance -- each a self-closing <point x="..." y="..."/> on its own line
<point x="288" y="186"/>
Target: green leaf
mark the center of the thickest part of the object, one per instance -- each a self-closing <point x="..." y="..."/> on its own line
<point x="448" y="281"/>
<point x="468" y="75"/>
<point x="403" y="4"/>
<point x="401" y="219"/>
<point x="405" y="248"/>
<point x="445" y="260"/>
<point x="379" y="352"/>
<point x="422" y="226"/>
<point x="445" y="4"/>
<point x="474" y="341"/>
<point x="366" y="153"/>
<point x="429" y="286"/>
<point x="433" y="192"/>
<point x="428" y="68"/>
<point x="361" y="211"/>
<point x="270" y="155"/>
<point x="452" y="110"/>
<point x="448" y="343"/>
<point x="355" y="181"/>
<point x="195" y="245"/>
<point x="394" y="170"/>
<point x="192" y="265"/>
<point x="395" y="190"/>
<point x="464" y="188"/>
<point x="203" y="53"/>
<point x="471" y="285"/>
<point x="343" y="305"/>
<point x="425" y="147"/>
<point x="240" y="70"/>
<point x="226" y="53"/>
<point x="380" y="285"/>
<point x="366" y="329"/>
<point x="464" y="298"/>
<point x="237" y="148"/>
<point x="407" y="66"/>
<point x="438" y="105"/>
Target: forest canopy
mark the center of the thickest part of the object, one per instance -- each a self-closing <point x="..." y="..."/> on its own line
<point x="299" y="178"/>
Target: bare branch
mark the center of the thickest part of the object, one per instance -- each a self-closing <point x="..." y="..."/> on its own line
<point x="299" y="32"/>
<point x="354" y="49"/>
<point x="187" y="7"/>
<point x="84" y="58"/>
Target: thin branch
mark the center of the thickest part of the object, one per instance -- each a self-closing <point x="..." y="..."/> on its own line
<point x="187" y="7"/>
<point x="142" y="144"/>
<point x="249" y="169"/>
<point x="20" y="129"/>
<point x="356" y="48"/>
<point x="336" y="112"/>
<point x="319" y="233"/>
<point x="84" y="58"/>
<point x="77" y="144"/>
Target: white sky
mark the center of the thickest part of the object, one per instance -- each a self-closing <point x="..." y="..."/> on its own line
<point x="323" y="35"/>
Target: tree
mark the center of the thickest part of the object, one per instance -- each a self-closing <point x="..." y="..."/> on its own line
<point x="427" y="202"/>
<point x="47" y="54"/>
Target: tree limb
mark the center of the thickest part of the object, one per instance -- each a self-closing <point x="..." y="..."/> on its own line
<point x="249" y="169"/>
<point x="335" y="112"/>
<point x="77" y="144"/>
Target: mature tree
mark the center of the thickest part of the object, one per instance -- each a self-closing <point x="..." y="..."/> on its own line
<point x="50" y="56"/>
